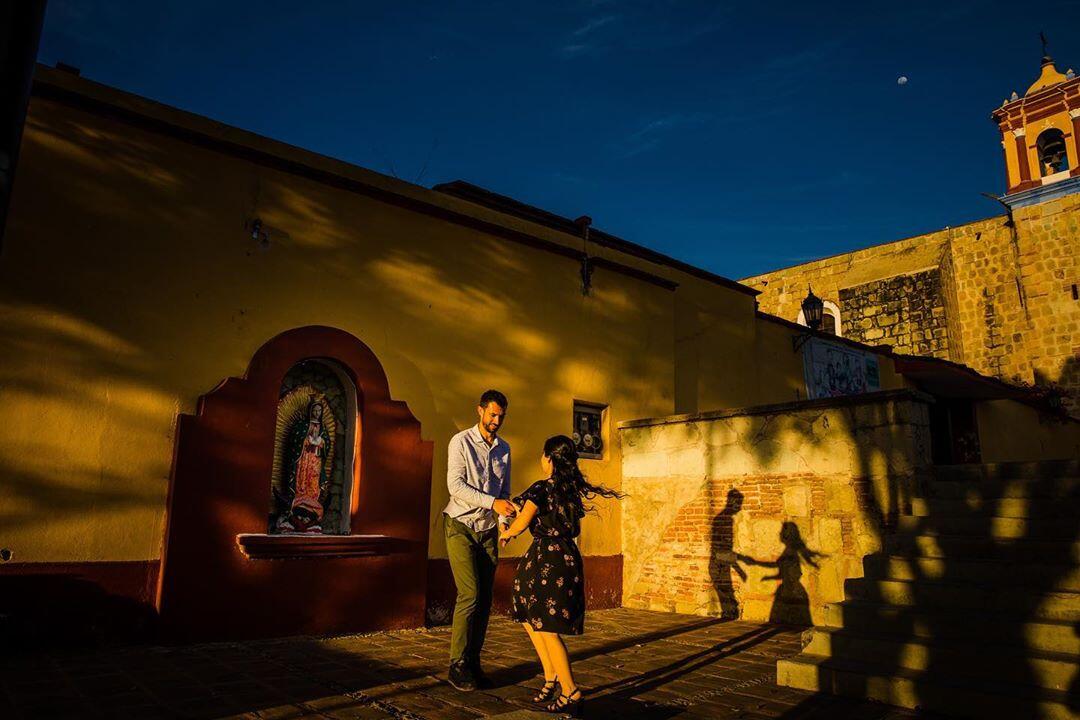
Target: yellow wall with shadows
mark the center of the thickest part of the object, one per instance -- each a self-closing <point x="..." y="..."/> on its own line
<point x="130" y="286"/>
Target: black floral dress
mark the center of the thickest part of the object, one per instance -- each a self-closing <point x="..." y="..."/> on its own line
<point x="549" y="585"/>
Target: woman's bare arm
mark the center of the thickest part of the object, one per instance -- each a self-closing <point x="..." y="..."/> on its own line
<point x="524" y="517"/>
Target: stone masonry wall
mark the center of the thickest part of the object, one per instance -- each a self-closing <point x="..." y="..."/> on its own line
<point x="904" y="311"/>
<point x="1007" y="291"/>
<point x="763" y="513"/>
<point x="955" y="334"/>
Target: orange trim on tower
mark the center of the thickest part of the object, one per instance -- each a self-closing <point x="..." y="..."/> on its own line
<point x="1076" y="144"/>
<point x="1022" y="161"/>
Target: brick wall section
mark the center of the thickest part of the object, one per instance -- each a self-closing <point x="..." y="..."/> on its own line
<point x="698" y="570"/>
<point x="1006" y="292"/>
<point x="905" y="311"/>
<point x="763" y="513"/>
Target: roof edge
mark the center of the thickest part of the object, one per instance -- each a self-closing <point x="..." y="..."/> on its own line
<point x="505" y="204"/>
<point x="199" y="130"/>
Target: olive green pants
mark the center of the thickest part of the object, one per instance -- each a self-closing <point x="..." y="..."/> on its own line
<point x="473" y="558"/>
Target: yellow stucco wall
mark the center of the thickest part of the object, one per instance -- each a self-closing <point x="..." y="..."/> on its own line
<point x="129" y="286"/>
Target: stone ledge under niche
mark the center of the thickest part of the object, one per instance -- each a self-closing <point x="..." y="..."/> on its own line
<point x="260" y="546"/>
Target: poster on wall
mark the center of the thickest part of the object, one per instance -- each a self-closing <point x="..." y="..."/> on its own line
<point x="833" y="369"/>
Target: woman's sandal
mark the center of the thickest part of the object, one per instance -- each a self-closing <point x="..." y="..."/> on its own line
<point x="567" y="704"/>
<point x="546" y="693"/>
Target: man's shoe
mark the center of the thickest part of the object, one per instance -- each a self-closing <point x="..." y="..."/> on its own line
<point x="480" y="677"/>
<point x="461" y="677"/>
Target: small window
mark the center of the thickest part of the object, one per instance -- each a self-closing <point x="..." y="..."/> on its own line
<point x="1053" y="158"/>
<point x="828" y="323"/>
<point x="588" y="434"/>
<point x="830" y="318"/>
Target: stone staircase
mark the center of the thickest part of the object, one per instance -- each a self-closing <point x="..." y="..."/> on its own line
<point x="972" y="609"/>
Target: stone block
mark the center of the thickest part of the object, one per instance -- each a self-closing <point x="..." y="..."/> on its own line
<point x="766" y="539"/>
<point x="796" y="501"/>
<point x="744" y="534"/>
<point x="840" y="496"/>
<point x="830" y="535"/>
<point x="830" y="580"/>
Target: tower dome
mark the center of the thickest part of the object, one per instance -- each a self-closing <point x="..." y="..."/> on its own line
<point x="1048" y="77"/>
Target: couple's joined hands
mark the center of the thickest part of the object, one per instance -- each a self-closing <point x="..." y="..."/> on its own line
<point x="506" y="509"/>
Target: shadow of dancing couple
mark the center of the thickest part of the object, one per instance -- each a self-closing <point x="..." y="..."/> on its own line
<point x="548" y="591"/>
<point x="791" y="603"/>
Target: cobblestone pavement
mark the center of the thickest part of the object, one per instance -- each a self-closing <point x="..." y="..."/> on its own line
<point x="633" y="664"/>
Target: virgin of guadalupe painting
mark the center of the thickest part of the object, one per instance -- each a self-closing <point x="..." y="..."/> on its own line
<point x="303" y="463"/>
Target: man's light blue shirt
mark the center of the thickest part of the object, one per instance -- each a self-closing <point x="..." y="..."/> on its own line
<point x="477" y="474"/>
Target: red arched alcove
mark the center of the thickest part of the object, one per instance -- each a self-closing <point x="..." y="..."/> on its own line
<point x="223" y="577"/>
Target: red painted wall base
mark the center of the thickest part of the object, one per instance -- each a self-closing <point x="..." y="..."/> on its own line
<point x="77" y="603"/>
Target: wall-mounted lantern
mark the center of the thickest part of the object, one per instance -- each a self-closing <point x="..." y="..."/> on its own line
<point x="813" y="309"/>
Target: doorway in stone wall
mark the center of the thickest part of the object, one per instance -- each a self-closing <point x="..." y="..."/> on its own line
<point x="954" y="432"/>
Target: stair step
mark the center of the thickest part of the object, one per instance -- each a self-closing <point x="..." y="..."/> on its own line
<point x="968" y="547"/>
<point x="1044" y="470"/>
<point x="908" y="688"/>
<point x="1055" y="605"/>
<point x="1004" y="528"/>
<point x="942" y="625"/>
<point x="976" y="659"/>
<point x="1014" y="489"/>
<point x="1006" y="507"/>
<point x="903" y="567"/>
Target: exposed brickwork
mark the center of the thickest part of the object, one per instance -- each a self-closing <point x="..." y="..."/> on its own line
<point x="698" y="565"/>
<point x="776" y="512"/>
<point x="905" y="311"/>
<point x="1006" y="294"/>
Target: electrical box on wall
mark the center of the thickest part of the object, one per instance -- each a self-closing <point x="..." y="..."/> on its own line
<point x="588" y="431"/>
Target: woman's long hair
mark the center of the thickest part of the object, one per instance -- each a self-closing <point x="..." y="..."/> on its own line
<point x="571" y="487"/>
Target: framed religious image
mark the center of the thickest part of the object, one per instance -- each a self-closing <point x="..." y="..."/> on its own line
<point x="588" y="431"/>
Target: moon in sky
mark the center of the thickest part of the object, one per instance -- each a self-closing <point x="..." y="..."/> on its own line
<point x="902" y="80"/>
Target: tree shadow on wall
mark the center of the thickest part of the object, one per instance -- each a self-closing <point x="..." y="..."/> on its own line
<point x="953" y="605"/>
<point x="722" y="558"/>
<point x="791" y="603"/>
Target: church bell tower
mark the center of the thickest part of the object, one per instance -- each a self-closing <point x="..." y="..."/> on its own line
<point x="1040" y="134"/>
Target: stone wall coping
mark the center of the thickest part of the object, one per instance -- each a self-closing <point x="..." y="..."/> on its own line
<point x="882" y="396"/>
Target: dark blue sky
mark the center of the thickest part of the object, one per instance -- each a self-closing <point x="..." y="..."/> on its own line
<point x="740" y="137"/>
